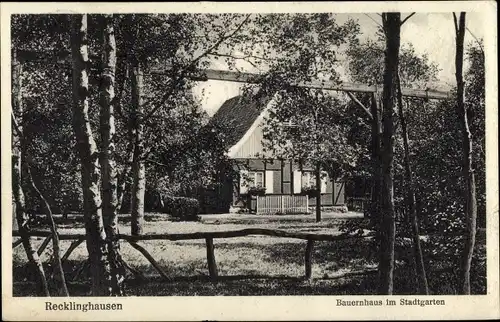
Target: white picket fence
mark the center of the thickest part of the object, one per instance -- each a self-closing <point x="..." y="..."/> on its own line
<point x="286" y="204"/>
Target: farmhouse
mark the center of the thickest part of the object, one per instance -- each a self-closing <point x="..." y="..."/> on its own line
<point x="265" y="183"/>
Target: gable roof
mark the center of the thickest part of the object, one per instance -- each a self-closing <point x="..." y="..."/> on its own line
<point x="238" y="114"/>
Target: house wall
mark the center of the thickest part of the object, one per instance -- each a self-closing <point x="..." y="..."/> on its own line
<point x="251" y="147"/>
<point x="283" y="173"/>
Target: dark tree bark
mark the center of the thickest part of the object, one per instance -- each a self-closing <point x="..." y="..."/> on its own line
<point x="108" y="159"/>
<point x="138" y="166"/>
<point x="376" y="166"/>
<point x="467" y="167"/>
<point x="22" y="217"/>
<point x="89" y="158"/>
<point x="423" y="287"/>
<point x="392" y="29"/>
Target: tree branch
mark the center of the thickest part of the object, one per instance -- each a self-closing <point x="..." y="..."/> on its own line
<point x="355" y="100"/>
<point x="239" y="57"/>
<point x="185" y="70"/>
<point x="409" y="16"/>
<point x="157" y="163"/>
<point x="477" y="40"/>
<point x="220" y="41"/>
<point x="16" y="126"/>
<point x="244" y="58"/>
<point x="455" y="22"/>
<point x="378" y="24"/>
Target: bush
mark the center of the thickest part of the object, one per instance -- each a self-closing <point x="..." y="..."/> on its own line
<point x="182" y="208"/>
<point x="214" y="200"/>
<point x="256" y="191"/>
<point x="309" y="191"/>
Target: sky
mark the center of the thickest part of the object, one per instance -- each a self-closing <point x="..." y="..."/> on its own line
<point x="431" y="33"/>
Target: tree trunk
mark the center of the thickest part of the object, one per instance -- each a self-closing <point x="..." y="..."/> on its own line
<point x="392" y="27"/>
<point x="138" y="166"/>
<point x="411" y="200"/>
<point x="318" y="192"/>
<point x="108" y="159"/>
<point x="17" y="191"/>
<point x="124" y="175"/>
<point x="468" y="171"/>
<point x="55" y="236"/>
<point x="89" y="158"/>
<point x="376" y="169"/>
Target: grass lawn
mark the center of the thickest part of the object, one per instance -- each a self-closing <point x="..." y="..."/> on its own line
<point x="253" y="265"/>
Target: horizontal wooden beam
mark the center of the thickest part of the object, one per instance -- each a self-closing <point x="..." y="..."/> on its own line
<point x="64" y="57"/>
<point x="215" y="234"/>
<point x="253" y="78"/>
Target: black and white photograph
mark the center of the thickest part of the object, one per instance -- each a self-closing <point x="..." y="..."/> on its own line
<point x="248" y="154"/>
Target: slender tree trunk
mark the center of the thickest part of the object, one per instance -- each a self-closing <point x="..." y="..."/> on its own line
<point x="55" y="236"/>
<point x="123" y="72"/>
<point x="468" y="171"/>
<point x="376" y="167"/>
<point x="17" y="190"/>
<point x="318" y="192"/>
<point x="392" y="27"/>
<point x="108" y="159"/>
<point x="124" y="175"/>
<point x="410" y="195"/>
<point x="89" y="158"/>
<point x="138" y="166"/>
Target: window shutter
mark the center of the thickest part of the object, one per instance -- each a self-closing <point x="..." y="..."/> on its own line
<point x="297" y="181"/>
<point x="324" y="181"/>
<point x="269" y="184"/>
<point x="243" y="181"/>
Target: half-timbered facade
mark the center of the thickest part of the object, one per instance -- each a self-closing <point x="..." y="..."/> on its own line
<point x="281" y="183"/>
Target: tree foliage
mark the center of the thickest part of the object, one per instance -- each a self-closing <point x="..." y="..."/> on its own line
<point x="185" y="154"/>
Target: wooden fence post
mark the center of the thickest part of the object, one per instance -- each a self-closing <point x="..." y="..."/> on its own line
<point x="308" y="258"/>
<point x="212" y="265"/>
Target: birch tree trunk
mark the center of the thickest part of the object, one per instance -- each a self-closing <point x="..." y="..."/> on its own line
<point x="392" y="28"/>
<point x="410" y="195"/>
<point x="138" y="166"/>
<point x="17" y="190"/>
<point x="468" y="171"/>
<point x="89" y="158"/>
<point x="108" y="158"/>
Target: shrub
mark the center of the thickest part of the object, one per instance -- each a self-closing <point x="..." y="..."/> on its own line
<point x="256" y="191"/>
<point x="309" y="191"/>
<point x="182" y="208"/>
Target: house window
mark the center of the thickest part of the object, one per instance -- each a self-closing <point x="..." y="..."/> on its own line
<point x="256" y="178"/>
<point x="308" y="179"/>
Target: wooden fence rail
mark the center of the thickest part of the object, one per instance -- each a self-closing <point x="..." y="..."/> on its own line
<point x="209" y="237"/>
